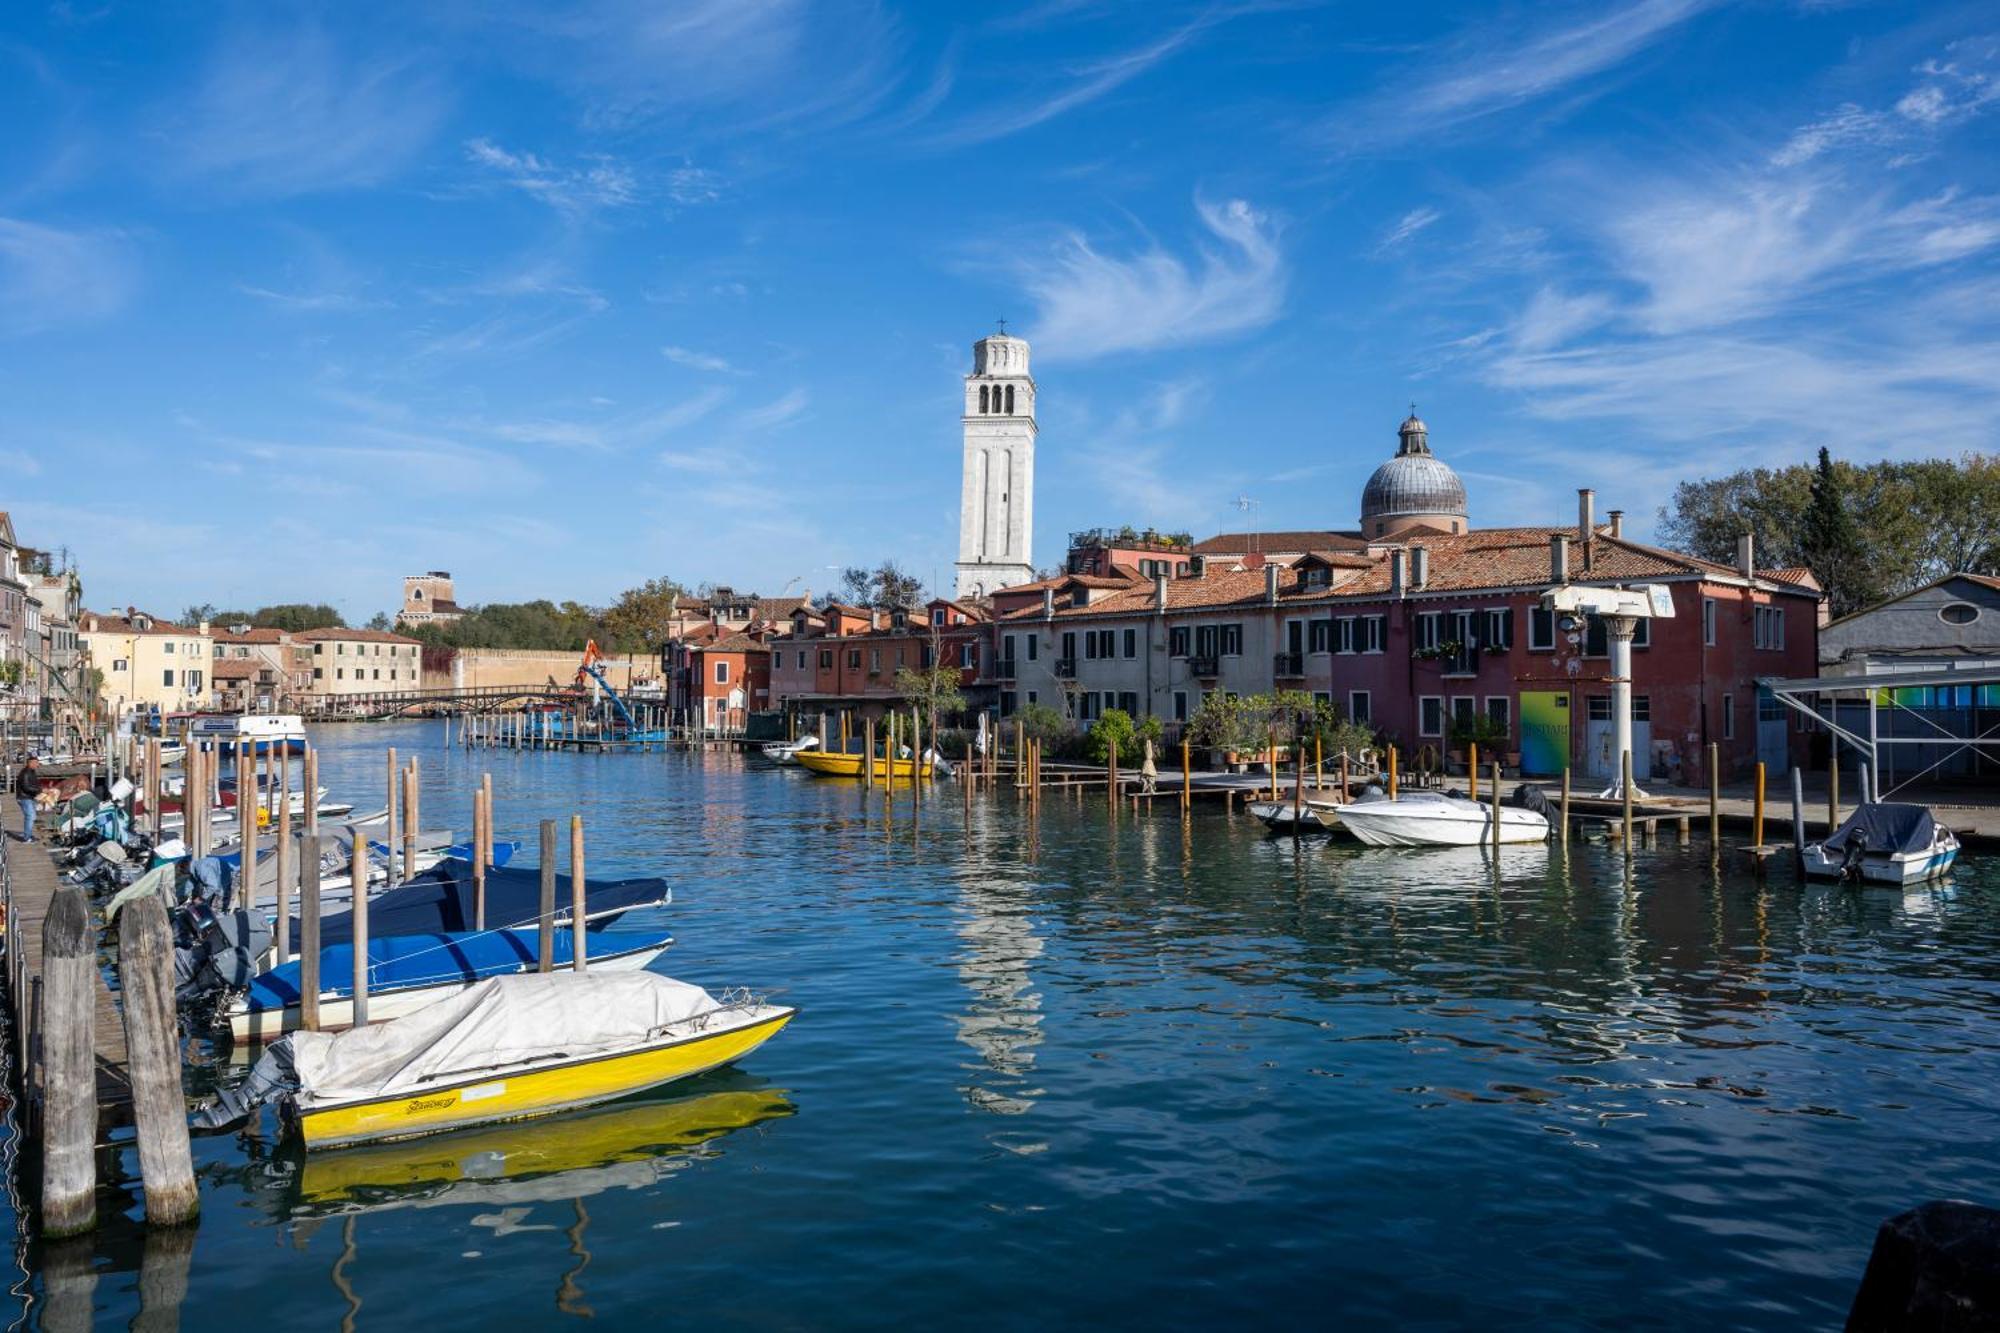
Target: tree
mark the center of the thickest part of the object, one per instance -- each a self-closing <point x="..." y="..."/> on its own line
<point x="644" y="615"/>
<point x="896" y="590"/>
<point x="857" y="587"/>
<point x="380" y="620"/>
<point x="1830" y="543"/>
<point x="199" y="612"/>
<point x="932" y="690"/>
<point x="297" y="617"/>
<point x="1115" y="729"/>
<point x="1039" y="722"/>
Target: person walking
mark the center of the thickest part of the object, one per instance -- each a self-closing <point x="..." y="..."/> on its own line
<point x="27" y="787"/>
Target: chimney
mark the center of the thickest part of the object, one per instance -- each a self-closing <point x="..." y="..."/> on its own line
<point x="1048" y="604"/>
<point x="1617" y="523"/>
<point x="1396" y="574"/>
<point x="1586" y="500"/>
<point x="1159" y="592"/>
<point x="1746" y="555"/>
<point x="1559" y="557"/>
<point x="203" y="631"/>
<point x="1271" y="585"/>
<point x="1420" y="567"/>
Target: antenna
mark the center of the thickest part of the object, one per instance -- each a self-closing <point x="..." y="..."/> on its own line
<point x="1003" y="327"/>
<point x="1245" y="505"/>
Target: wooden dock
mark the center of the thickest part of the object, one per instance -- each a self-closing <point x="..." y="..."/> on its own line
<point x="27" y="886"/>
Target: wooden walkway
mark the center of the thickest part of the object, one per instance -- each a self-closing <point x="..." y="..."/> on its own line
<point x="30" y="886"/>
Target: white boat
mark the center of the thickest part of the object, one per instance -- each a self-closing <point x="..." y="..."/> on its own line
<point x="787" y="752"/>
<point x="266" y="731"/>
<point x="1431" y="819"/>
<point x="1278" y="816"/>
<point x="1884" y="842"/>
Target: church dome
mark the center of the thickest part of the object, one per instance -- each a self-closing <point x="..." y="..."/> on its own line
<point x="1413" y="488"/>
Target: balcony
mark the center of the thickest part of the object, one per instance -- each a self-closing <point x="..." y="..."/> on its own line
<point x="1288" y="665"/>
<point x="1003" y="669"/>
<point x="1065" y="668"/>
<point x="1206" y="668"/>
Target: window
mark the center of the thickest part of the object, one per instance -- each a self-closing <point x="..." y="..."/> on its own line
<point x="1319" y="636"/>
<point x="1032" y="696"/>
<point x="1541" y="629"/>
<point x="1430" y="715"/>
<point x="1770" y="710"/>
<point x="1343" y="640"/>
<point x="1086" y="706"/>
<point x="1499" y="635"/>
<point x="854" y="659"/>
<point x="826" y="659"/>
<point x="937" y="617"/>
<point x="194" y="681"/>
<point x="875" y="660"/>
<point x="167" y="647"/>
<point x="1231" y="640"/>
<point x="1958" y="613"/>
<point x="167" y="676"/>
<point x="378" y="674"/>
<point x="1069" y="645"/>
<point x="1358" y="706"/>
<point x="319" y="673"/>
<point x="1177" y="641"/>
<point x="1374" y="633"/>
<point x="1708" y="621"/>
<point x="1180" y="706"/>
<point x="1597" y="639"/>
<point x="1006" y="703"/>
<point x="802" y="659"/>
<point x="1131" y="643"/>
<point x="1463" y="709"/>
<point x="722" y="673"/>
<point x="1768" y="630"/>
<point x="1499" y="709"/>
<point x="1729" y="717"/>
<point x="340" y="673"/>
<point x="119" y="664"/>
<point x="1429" y="630"/>
<point x="1642" y="708"/>
<point x="1129" y="701"/>
<point x="1033" y="641"/>
<point x="1598" y="707"/>
<point x="1007" y="647"/>
<point x="318" y="648"/>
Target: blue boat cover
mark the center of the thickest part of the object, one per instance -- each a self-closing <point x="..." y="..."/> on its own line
<point x="1883" y="827"/>
<point x="440" y="899"/>
<point x="405" y="962"/>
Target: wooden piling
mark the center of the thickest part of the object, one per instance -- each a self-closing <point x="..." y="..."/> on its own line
<point x="1319" y="760"/>
<point x="249" y="800"/>
<point x="577" y="911"/>
<point x="1344" y="797"/>
<point x="479" y="818"/>
<point x="1111" y="785"/>
<point x="310" y="853"/>
<point x="485" y="849"/>
<point x="1758" y="821"/>
<point x="1392" y="772"/>
<point x="1798" y="814"/>
<point x="1832" y="783"/>
<point x="412" y="799"/>
<point x="545" y="943"/>
<point x="1472" y="768"/>
<point x="1625" y="768"/>
<point x="1298" y="792"/>
<point x="1496" y="807"/>
<point x="1187" y="777"/>
<point x="287" y="866"/>
<point x="311" y="779"/>
<point x="69" y="1066"/>
<point x="389" y="842"/>
<point x="868" y="754"/>
<point x="153" y="1055"/>
<point x="156" y="781"/>
<point x="1563" y="818"/>
<point x="1682" y="834"/>
<point x="358" y="868"/>
<point x="1714" y="800"/>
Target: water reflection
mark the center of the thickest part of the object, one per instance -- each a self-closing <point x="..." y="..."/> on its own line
<point x="1003" y="1022"/>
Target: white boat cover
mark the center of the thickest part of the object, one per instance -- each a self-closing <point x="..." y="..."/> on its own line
<point x="511" y="1020"/>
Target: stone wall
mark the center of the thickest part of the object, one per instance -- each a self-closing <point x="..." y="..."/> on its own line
<point x="465" y="668"/>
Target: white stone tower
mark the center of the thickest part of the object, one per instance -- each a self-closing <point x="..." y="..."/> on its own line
<point x="997" y="503"/>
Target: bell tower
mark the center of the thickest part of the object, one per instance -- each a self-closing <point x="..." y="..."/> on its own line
<point x="997" y="500"/>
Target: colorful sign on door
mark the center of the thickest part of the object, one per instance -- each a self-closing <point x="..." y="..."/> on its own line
<point x="1544" y="732"/>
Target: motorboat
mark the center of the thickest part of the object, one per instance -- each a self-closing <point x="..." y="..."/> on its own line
<point x="1280" y="816"/>
<point x="828" y="763"/>
<point x="508" y="1048"/>
<point x="1435" y="819"/>
<point x="445" y="898"/>
<point x="411" y="972"/>
<point x="1884" y="842"/>
<point x="787" y="752"/>
<point x="266" y="732"/>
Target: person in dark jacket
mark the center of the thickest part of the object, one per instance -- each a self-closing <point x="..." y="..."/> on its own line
<point x="28" y="786"/>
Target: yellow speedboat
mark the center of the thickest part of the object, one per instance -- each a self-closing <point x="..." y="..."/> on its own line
<point x="509" y="1048"/>
<point x="832" y="764"/>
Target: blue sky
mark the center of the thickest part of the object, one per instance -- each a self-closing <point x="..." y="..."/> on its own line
<point x="296" y="299"/>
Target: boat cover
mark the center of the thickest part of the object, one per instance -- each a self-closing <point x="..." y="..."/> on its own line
<point x="440" y="899"/>
<point x="537" y="1017"/>
<point x="1884" y="827"/>
<point x="405" y="962"/>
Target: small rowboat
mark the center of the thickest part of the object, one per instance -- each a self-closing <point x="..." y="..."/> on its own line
<point x="411" y="972"/>
<point x="831" y="764"/>
<point x="509" y="1048"/>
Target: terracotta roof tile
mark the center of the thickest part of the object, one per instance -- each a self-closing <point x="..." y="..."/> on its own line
<point x="355" y="636"/>
<point x="1233" y="543"/>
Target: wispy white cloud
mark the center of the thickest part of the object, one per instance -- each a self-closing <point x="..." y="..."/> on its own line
<point x="283" y="112"/>
<point x="1086" y="84"/>
<point x="1407" y="226"/>
<point x="778" y="412"/>
<point x="691" y="185"/>
<point x="1845" y="127"/>
<point x="603" y="183"/>
<point x="310" y="301"/>
<point x="694" y="360"/>
<point x="1490" y="71"/>
<point x="1949" y="92"/>
<point x="1090" y="304"/>
<point x="52" y="277"/>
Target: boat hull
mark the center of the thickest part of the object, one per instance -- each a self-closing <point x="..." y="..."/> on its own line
<point x="1895" y="869"/>
<point x="1434" y="824"/>
<point x="1279" y="816"/>
<point x="536" y="1091"/>
<point x="849" y="765"/>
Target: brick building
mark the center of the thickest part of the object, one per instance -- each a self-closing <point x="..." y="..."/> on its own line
<point x="845" y="658"/>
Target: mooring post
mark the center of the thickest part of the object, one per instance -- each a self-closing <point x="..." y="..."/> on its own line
<point x="311" y="781"/>
<point x="1298" y="792"/>
<point x="486" y="791"/>
<point x="359" y="915"/>
<point x="1472" y="769"/>
<point x="1392" y="771"/>
<point x="309" y="983"/>
<point x="389" y="842"/>
<point x="412" y="812"/>
<point x="545" y="944"/>
<point x="153" y="1056"/>
<point x="1714" y="800"/>
<point x="577" y="910"/>
<point x="1832" y="783"/>
<point x="1496" y="807"/>
<point x="287" y="864"/>
<point x="479" y="858"/>
<point x="1187" y="776"/>
<point x="69" y="1060"/>
<point x="1759" y="818"/>
<point x="247" y="791"/>
<point x="1563" y="816"/>
<point x="1111" y="777"/>
<point x="1798" y="815"/>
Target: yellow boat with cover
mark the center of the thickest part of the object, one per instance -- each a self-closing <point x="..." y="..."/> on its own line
<point x="832" y="764"/>
<point x="510" y="1048"/>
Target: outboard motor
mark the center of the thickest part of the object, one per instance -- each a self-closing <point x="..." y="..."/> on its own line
<point x="216" y="948"/>
<point x="1530" y="797"/>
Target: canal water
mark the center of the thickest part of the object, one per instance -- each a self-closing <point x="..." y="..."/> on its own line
<point x="1144" y="1071"/>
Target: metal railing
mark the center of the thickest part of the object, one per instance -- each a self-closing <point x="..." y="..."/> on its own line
<point x="1065" y="668"/>
<point x="1208" y="665"/>
<point x="1289" y="664"/>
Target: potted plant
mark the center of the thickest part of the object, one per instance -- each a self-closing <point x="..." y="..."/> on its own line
<point x="1479" y="729"/>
